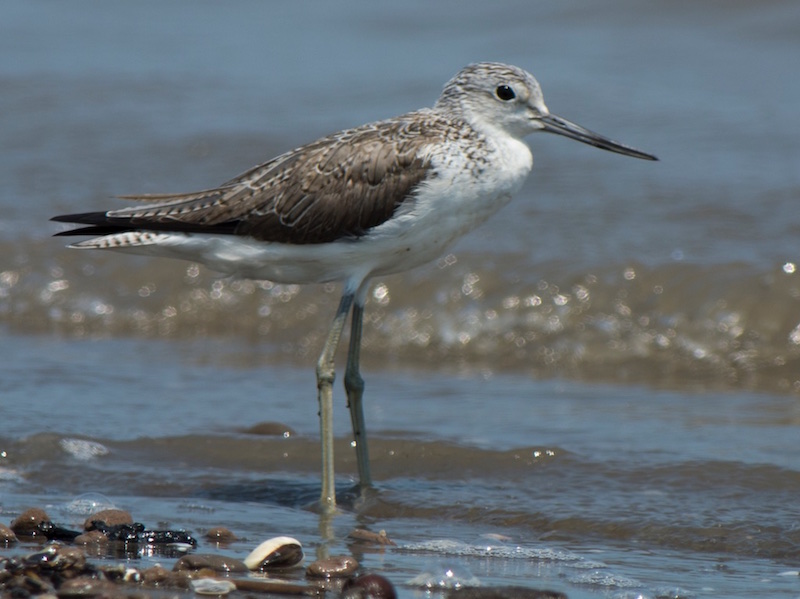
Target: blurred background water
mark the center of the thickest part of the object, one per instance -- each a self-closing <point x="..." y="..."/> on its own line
<point x="607" y="372"/>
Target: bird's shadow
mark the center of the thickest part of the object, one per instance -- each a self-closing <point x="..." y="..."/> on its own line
<point x="292" y="494"/>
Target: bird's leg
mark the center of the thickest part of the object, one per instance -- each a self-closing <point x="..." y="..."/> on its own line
<point x="325" y="377"/>
<point x="354" y="386"/>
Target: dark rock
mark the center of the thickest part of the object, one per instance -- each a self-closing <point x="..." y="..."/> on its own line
<point x="369" y="586"/>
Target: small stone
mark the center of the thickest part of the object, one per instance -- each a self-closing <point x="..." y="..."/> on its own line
<point x="367" y="536"/>
<point x="155" y="575"/>
<point x="336" y="566"/>
<point x="278" y="552"/>
<point x="215" y="563"/>
<point x="70" y="558"/>
<point x="220" y="534"/>
<point x="158" y="576"/>
<point x="112" y="517"/>
<point x="27" y="523"/>
<point x="57" y="558"/>
<point x="369" y="586"/>
<point x="7" y="535"/>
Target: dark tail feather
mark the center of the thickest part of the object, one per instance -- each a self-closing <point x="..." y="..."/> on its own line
<point x="99" y="223"/>
<point x="97" y="231"/>
<point x="83" y="218"/>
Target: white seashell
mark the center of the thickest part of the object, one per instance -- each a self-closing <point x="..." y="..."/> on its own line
<point x="212" y="586"/>
<point x="278" y="552"/>
<point x="132" y="575"/>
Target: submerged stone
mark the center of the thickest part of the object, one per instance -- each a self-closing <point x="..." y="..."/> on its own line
<point x="220" y="534"/>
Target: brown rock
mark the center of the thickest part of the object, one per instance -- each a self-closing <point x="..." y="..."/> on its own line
<point x="336" y="566"/>
<point x="7" y="535"/>
<point x="158" y="576"/>
<point x="112" y="517"/>
<point x="27" y="523"/>
<point x="70" y="558"/>
<point x="220" y="534"/>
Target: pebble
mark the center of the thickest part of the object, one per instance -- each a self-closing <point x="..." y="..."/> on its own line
<point x="56" y="558"/>
<point x="210" y="561"/>
<point x="27" y="523"/>
<point x="163" y="578"/>
<point x="220" y="534"/>
<point x="369" y="586"/>
<point x="336" y="566"/>
<point x="112" y="517"/>
<point x="70" y="558"/>
<point x="7" y="535"/>
<point x="60" y="569"/>
<point x="278" y="552"/>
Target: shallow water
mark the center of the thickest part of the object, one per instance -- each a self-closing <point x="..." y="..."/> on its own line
<point x="606" y="374"/>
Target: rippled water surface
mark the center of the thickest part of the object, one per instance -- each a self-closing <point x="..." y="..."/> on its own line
<point x="596" y="392"/>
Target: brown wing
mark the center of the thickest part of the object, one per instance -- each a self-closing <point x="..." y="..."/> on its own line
<point x="339" y="186"/>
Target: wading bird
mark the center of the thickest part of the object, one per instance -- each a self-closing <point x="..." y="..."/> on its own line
<point x="365" y="202"/>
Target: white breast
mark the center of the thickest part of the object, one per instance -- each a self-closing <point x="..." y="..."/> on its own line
<point x="462" y="195"/>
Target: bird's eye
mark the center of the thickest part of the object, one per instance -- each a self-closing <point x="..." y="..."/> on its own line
<point x="505" y="93"/>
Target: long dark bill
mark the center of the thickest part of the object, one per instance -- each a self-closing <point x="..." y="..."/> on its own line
<point x="555" y="124"/>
